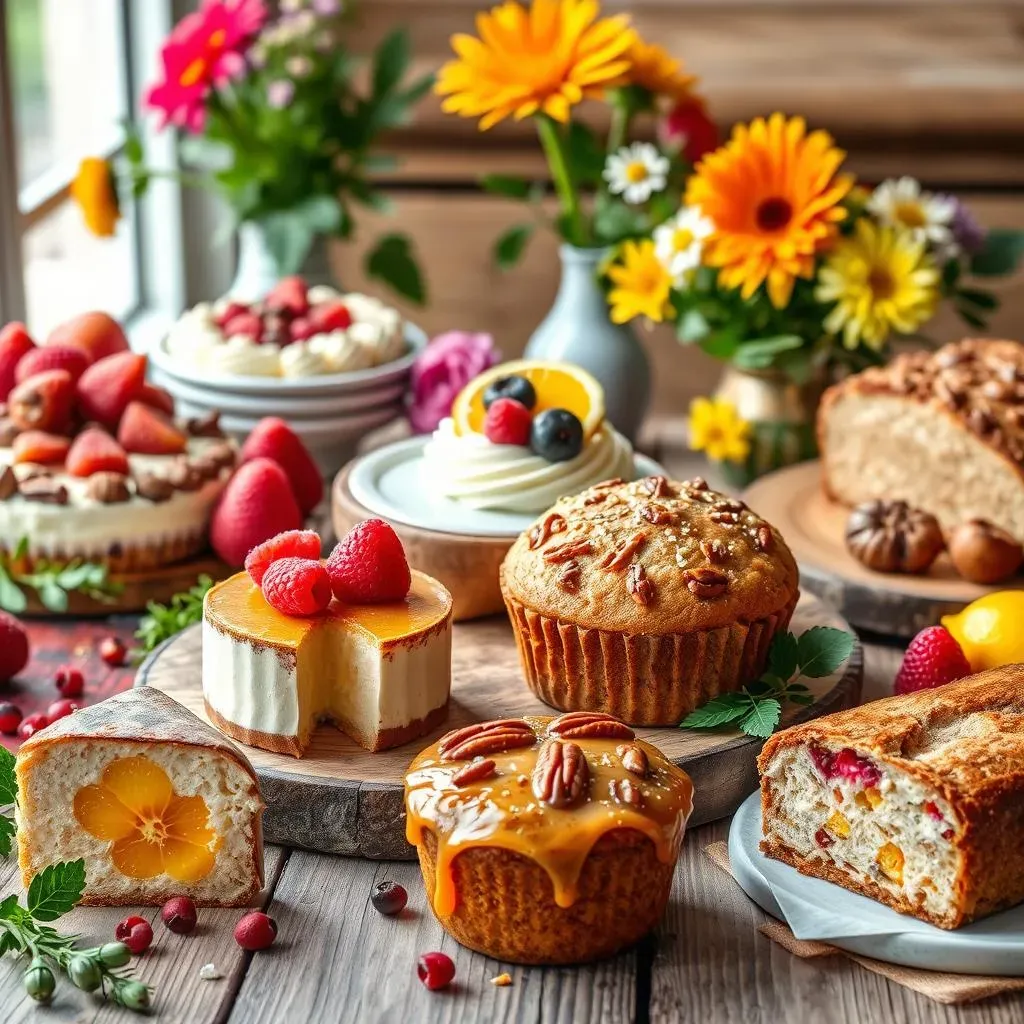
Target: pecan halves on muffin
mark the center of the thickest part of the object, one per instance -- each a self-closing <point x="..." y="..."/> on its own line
<point x="625" y="791"/>
<point x="655" y="486"/>
<point x="591" y="725"/>
<point x="706" y="583"/>
<point x="540" y="532"/>
<point x="633" y="759"/>
<point x="567" y="550"/>
<point x="618" y="558"/>
<point x="475" y="771"/>
<point x="890" y="536"/>
<point x="639" y="585"/>
<point x="486" y="738"/>
<point x="561" y="775"/>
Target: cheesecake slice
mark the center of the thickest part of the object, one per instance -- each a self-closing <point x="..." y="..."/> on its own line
<point x="156" y="803"/>
<point x="380" y="672"/>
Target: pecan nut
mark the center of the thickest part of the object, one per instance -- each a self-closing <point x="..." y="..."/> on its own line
<point x="8" y="483"/>
<point x="623" y="791"/>
<point x="567" y="550"/>
<point x="108" y="488"/>
<point x="592" y="725"/>
<point x="618" y="558"/>
<point x="698" y="483"/>
<point x="569" y="577"/>
<point x="715" y="550"/>
<point x="722" y="516"/>
<point x="655" y="486"/>
<point x="639" y="585"/>
<point x="706" y="583"/>
<point x="656" y="514"/>
<point x="633" y="759"/>
<point x="763" y="538"/>
<point x="475" y="771"/>
<point x="540" y="532"/>
<point x="561" y="775"/>
<point x="485" y="738"/>
<point x="890" y="536"/>
<point x="153" y="488"/>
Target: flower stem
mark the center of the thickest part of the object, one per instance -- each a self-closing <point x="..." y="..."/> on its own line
<point x="576" y="231"/>
<point x="622" y="114"/>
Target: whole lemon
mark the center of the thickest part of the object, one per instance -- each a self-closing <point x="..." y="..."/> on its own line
<point x="991" y="629"/>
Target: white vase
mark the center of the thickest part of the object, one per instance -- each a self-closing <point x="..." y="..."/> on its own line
<point x="257" y="271"/>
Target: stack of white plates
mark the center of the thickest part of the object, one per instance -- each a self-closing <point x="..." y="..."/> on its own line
<point x="330" y="412"/>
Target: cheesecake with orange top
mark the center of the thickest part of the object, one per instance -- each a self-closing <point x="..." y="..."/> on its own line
<point x="360" y="641"/>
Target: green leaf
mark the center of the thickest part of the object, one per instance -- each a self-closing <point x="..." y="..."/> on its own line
<point x="55" y="890"/>
<point x="976" y="297"/>
<point x="801" y="698"/>
<point x="783" y="656"/>
<point x="6" y="836"/>
<point x="71" y="577"/>
<point x="585" y="154"/>
<point x="763" y="718"/>
<point x="721" y="344"/>
<point x="392" y="262"/>
<point x="693" y="326"/>
<point x="390" y="62"/>
<point x="200" y="151"/>
<point x="53" y="598"/>
<point x="12" y="598"/>
<point x="22" y="549"/>
<point x="1004" y="249"/>
<point x="951" y="272"/>
<point x="506" y="185"/>
<point x="7" y="908"/>
<point x="822" y="649"/>
<point x="8" y="780"/>
<point x="508" y="249"/>
<point x="970" y="317"/>
<point x="761" y="353"/>
<point x="718" y="711"/>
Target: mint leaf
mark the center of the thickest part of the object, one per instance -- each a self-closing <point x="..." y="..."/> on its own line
<point x="782" y="656"/>
<point x="56" y="889"/>
<point x="12" y="599"/>
<point x="8" y="782"/>
<point x="763" y="718"/>
<point x="718" y="711"/>
<point x="6" y="837"/>
<point x="822" y="650"/>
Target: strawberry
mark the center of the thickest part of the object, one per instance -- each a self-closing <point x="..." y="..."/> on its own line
<point x="297" y="586"/>
<point x="14" y="345"/>
<point x="247" y="324"/>
<point x="288" y="296"/>
<point x="52" y="357"/>
<point x="300" y="329"/>
<point x="272" y="438"/>
<point x="508" y="422"/>
<point x="14" y="648"/>
<point x="158" y="398"/>
<point x="230" y="311"/>
<point x="368" y="566"/>
<point x="106" y="387"/>
<point x="38" y="447"/>
<point x="932" y="659"/>
<point x="331" y="316"/>
<point x="95" y="451"/>
<point x="147" y="431"/>
<point x="292" y="544"/>
<point x="257" y="504"/>
<point x="43" y="402"/>
<point x="96" y="334"/>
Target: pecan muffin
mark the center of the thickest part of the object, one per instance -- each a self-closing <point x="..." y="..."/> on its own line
<point x="547" y="841"/>
<point x="644" y="600"/>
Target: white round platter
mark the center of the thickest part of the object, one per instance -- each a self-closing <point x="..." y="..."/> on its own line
<point x="994" y="945"/>
<point x="327" y="428"/>
<point x="391" y="483"/>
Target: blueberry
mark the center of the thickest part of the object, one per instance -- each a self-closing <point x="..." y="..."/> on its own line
<point x="389" y="898"/>
<point x="556" y="435"/>
<point x="518" y="388"/>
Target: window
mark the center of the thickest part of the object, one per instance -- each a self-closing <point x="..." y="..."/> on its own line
<point x="70" y="74"/>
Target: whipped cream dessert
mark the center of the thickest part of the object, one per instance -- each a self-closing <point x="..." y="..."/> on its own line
<point x="319" y="332"/>
<point x="470" y="469"/>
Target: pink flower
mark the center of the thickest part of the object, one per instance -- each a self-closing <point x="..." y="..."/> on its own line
<point x="442" y="370"/>
<point x="205" y="50"/>
<point x="688" y="129"/>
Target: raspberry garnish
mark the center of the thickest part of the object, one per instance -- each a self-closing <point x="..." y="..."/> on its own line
<point x="297" y="586"/>
<point x="290" y="544"/>
<point x="508" y="422"/>
<point x="368" y="565"/>
<point x="932" y="659"/>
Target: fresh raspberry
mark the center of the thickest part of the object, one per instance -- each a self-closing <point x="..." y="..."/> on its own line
<point x="147" y="431"/>
<point x="10" y="718"/>
<point x="288" y="296"/>
<point x="158" y="398"/>
<point x="43" y="402"/>
<point x="248" y="325"/>
<point x="14" y="647"/>
<point x="40" y="448"/>
<point x="368" y="565"/>
<point x="69" y="681"/>
<point x="297" y="586"/>
<point x="290" y="544"/>
<point x="331" y="316"/>
<point x="300" y="329"/>
<point x="230" y="311"/>
<point x="52" y="357"/>
<point x="257" y="504"/>
<point x="272" y="438"/>
<point x="106" y="388"/>
<point x="95" y="451"/>
<point x="14" y="344"/>
<point x="508" y="422"/>
<point x="932" y="659"/>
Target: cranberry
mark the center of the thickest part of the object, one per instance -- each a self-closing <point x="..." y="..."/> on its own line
<point x="61" y="709"/>
<point x="948" y="834"/>
<point x="823" y="838"/>
<point x="31" y="725"/>
<point x="435" y="970"/>
<point x="932" y="810"/>
<point x="179" y="914"/>
<point x="824" y="761"/>
<point x="389" y="898"/>
<point x="136" y="933"/>
<point x="70" y="681"/>
<point x="255" y="931"/>
<point x="10" y="718"/>
<point x="113" y="651"/>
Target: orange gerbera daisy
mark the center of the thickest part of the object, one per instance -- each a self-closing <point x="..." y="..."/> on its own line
<point x="542" y="60"/>
<point x="95" y="192"/>
<point x="652" y="68"/>
<point x="773" y="192"/>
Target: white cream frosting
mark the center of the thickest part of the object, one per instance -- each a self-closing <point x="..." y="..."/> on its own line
<point x="477" y="473"/>
<point x="239" y="355"/>
<point x="301" y="360"/>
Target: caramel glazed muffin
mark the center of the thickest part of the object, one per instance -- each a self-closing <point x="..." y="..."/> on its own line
<point x="644" y="600"/>
<point x="546" y="841"/>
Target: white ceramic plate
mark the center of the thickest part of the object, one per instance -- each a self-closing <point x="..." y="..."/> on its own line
<point x="323" y="384"/>
<point x="390" y="482"/>
<point x="993" y="945"/>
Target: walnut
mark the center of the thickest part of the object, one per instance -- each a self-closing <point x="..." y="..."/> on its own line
<point x="108" y="488"/>
<point x="890" y="536"/>
<point x="153" y="488"/>
<point x="983" y="553"/>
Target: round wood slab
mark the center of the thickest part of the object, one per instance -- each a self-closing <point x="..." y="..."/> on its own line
<point x="814" y="526"/>
<point x="343" y="799"/>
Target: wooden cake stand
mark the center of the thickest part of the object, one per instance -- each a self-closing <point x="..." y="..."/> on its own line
<point x="814" y="526"/>
<point x="343" y="799"/>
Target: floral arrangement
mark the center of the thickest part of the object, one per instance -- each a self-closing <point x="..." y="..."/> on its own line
<point x="442" y="370"/>
<point x="274" y="121"/>
<point x="541" y="63"/>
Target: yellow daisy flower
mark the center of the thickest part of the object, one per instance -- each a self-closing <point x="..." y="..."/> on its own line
<point x="715" y="428"/>
<point x="773" y="192"/>
<point x="642" y="284"/>
<point x="94" y="191"/>
<point x="542" y="60"/>
<point x="881" y="280"/>
<point x="652" y="68"/>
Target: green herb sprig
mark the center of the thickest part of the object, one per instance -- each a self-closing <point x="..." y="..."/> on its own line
<point x="165" y="620"/>
<point x="8" y="794"/>
<point x="52" y="581"/>
<point x="757" y="708"/>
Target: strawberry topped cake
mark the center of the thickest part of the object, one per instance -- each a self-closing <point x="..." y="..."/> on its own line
<point x="92" y="463"/>
<point x="296" y="331"/>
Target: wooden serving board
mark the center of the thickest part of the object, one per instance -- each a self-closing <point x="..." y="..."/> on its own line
<point x="343" y="799"/>
<point x="814" y="526"/>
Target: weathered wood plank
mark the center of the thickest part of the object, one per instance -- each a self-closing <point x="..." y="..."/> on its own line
<point x="338" y="960"/>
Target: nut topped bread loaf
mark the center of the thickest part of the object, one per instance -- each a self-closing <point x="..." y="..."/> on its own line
<point x="643" y="600"/>
<point x="916" y="801"/>
<point x="942" y="431"/>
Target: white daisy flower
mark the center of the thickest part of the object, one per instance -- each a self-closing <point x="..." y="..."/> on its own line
<point x="636" y="172"/>
<point x="679" y="243"/>
<point x="902" y="203"/>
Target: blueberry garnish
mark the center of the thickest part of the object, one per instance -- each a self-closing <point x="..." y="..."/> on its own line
<point x="518" y="388"/>
<point x="556" y="435"/>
